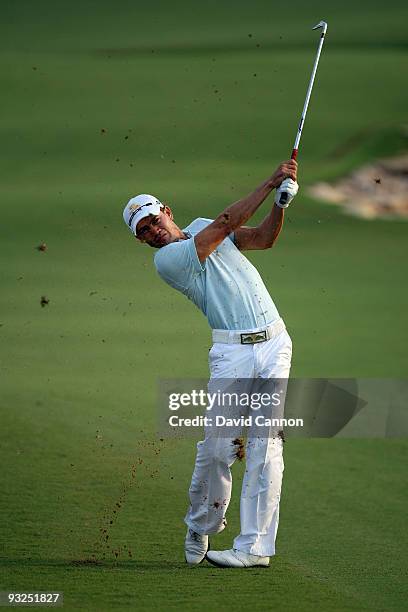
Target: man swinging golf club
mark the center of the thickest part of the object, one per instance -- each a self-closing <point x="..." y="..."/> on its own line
<point x="204" y="261"/>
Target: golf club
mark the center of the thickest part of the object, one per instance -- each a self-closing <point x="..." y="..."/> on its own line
<point x="323" y="25"/>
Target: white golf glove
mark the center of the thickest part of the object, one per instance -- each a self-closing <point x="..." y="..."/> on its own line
<point x="286" y="192"/>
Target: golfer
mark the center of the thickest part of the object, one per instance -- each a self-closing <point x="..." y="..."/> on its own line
<point x="205" y="262"/>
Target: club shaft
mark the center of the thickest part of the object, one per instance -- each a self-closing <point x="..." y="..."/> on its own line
<point x="309" y="92"/>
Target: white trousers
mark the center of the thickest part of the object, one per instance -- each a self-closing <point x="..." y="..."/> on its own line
<point x="211" y="483"/>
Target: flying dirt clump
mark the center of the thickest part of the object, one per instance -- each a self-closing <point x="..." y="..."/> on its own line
<point x="379" y="190"/>
<point x="240" y="452"/>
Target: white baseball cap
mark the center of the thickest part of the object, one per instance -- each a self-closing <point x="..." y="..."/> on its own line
<point x="139" y="207"/>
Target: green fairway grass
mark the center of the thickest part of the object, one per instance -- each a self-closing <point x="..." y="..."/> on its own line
<point x="196" y="103"/>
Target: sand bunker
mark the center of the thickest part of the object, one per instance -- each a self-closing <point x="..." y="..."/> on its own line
<point x="378" y="190"/>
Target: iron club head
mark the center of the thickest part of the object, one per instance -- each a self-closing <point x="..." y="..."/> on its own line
<point x="321" y="24"/>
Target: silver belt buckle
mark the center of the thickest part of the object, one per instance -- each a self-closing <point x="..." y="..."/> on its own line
<point x="253" y="338"/>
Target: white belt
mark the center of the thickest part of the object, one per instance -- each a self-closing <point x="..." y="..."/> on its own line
<point x="226" y="336"/>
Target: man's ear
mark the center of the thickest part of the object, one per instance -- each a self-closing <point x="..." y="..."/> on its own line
<point x="168" y="211"/>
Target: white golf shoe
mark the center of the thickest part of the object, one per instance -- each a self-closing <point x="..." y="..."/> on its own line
<point x="196" y="547"/>
<point x="235" y="558"/>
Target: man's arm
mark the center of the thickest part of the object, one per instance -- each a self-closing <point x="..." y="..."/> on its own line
<point x="238" y="213"/>
<point x="264" y="235"/>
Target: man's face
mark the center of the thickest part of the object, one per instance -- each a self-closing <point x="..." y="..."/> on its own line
<point x="158" y="230"/>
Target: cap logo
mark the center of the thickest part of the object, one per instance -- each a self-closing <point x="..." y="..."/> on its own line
<point x="134" y="208"/>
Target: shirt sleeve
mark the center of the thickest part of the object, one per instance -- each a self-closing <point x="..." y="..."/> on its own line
<point x="178" y="264"/>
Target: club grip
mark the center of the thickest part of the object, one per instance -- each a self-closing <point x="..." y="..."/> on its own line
<point x="294" y="154"/>
<point x="283" y="197"/>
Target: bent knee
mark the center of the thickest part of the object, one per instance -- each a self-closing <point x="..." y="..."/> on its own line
<point x="219" y="450"/>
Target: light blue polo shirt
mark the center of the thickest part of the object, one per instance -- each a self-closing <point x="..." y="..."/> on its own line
<point x="226" y="287"/>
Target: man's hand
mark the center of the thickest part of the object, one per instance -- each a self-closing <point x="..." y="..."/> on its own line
<point x="287" y="169"/>
<point x="286" y="192"/>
